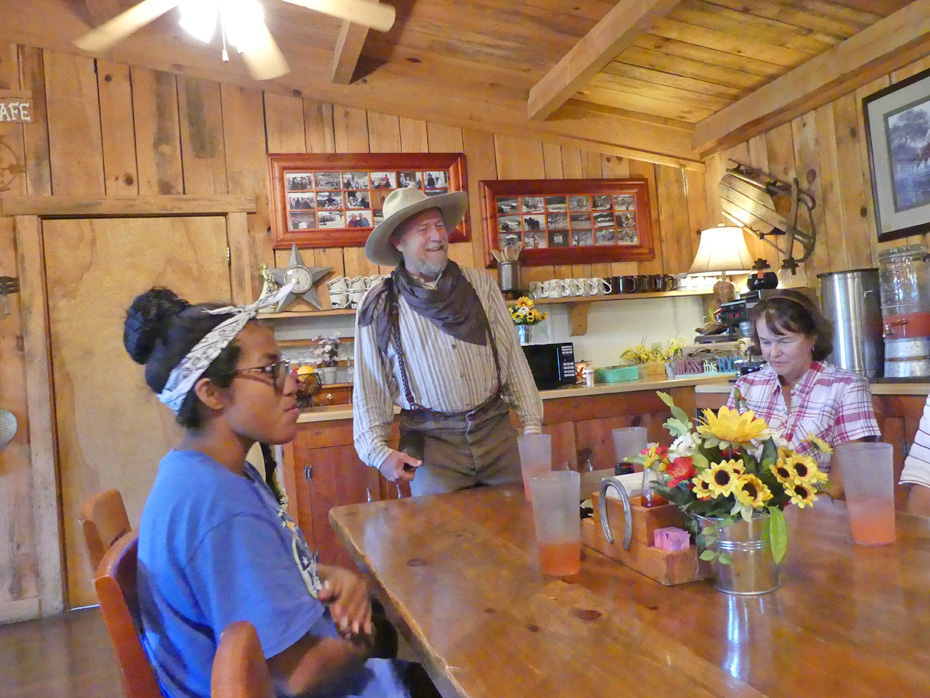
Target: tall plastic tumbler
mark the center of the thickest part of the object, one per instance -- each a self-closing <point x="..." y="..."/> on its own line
<point x="628" y="442"/>
<point x="535" y="458"/>
<point x="868" y="479"/>
<point x="556" y="514"/>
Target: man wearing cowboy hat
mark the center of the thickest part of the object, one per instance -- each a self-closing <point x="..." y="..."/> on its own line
<point x="437" y="340"/>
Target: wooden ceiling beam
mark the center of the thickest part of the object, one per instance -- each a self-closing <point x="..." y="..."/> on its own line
<point x="606" y="40"/>
<point x="890" y="44"/>
<point x="347" y="52"/>
<point x="102" y="10"/>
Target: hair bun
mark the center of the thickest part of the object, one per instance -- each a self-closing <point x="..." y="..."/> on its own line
<point x="147" y="321"/>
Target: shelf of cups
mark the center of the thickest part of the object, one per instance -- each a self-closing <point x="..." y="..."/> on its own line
<point x="578" y="305"/>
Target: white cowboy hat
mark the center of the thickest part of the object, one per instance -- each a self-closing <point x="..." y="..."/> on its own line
<point x="400" y="205"/>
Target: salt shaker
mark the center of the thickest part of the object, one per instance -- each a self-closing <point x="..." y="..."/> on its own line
<point x="588" y="374"/>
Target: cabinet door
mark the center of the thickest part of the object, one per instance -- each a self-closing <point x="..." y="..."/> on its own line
<point x="328" y="477"/>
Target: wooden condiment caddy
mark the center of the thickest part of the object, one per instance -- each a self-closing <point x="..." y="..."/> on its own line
<point x="664" y="566"/>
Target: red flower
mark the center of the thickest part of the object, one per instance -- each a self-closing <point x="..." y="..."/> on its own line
<point x="680" y="469"/>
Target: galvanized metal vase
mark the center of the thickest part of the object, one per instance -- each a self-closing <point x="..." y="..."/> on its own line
<point x="525" y="333"/>
<point x="753" y="570"/>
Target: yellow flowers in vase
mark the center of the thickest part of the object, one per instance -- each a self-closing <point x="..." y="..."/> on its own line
<point x="524" y="312"/>
<point x="733" y="467"/>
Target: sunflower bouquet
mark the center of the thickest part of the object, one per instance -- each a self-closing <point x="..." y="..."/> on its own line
<point x="524" y="312"/>
<point x="732" y="466"/>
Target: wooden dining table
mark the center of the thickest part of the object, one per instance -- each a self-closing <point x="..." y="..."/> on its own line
<point x="461" y="575"/>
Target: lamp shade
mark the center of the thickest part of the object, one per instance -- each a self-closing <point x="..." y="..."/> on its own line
<point x="721" y="249"/>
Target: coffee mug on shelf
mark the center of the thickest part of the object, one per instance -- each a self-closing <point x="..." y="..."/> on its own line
<point x="536" y="289"/>
<point x="356" y="283"/>
<point x="339" y="299"/>
<point x="577" y="286"/>
<point x="337" y="285"/>
<point x="355" y="297"/>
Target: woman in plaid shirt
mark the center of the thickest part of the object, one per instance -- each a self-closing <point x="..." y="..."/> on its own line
<point x="796" y="393"/>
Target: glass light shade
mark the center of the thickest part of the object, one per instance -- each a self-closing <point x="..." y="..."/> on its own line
<point x="722" y="249"/>
<point x="198" y="18"/>
<point x="240" y="19"/>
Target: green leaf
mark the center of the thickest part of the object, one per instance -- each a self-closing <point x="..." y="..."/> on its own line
<point x="678" y="413"/>
<point x="708" y="555"/>
<point x="700" y="462"/>
<point x="746" y="512"/>
<point x="724" y="559"/>
<point x="735" y="509"/>
<point x="778" y="533"/>
<point x="676" y="427"/>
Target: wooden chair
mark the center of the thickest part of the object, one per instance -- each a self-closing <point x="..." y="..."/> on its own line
<point x="239" y="668"/>
<point x="115" y="582"/>
<point x="103" y="519"/>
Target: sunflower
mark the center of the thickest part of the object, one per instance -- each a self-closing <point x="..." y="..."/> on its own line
<point x="524" y="302"/>
<point x="721" y="477"/>
<point x="729" y="426"/>
<point x="702" y="485"/>
<point x="783" y="473"/>
<point x="819" y="444"/>
<point x="750" y="490"/>
<point x="801" y="494"/>
<point x="804" y="469"/>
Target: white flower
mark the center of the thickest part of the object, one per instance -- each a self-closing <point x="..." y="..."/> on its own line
<point x="683" y="447"/>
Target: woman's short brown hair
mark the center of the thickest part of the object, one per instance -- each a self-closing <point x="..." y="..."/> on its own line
<point x="792" y="311"/>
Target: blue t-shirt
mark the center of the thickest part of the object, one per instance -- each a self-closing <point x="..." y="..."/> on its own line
<point x="215" y="548"/>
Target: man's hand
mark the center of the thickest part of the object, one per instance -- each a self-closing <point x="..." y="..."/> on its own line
<point x="918" y="500"/>
<point x="399" y="467"/>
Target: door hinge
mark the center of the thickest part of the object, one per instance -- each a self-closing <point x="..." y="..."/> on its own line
<point x="228" y="257"/>
<point x="308" y="472"/>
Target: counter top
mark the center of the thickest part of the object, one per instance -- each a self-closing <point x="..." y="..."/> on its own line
<point x="336" y="412"/>
<point x="920" y="389"/>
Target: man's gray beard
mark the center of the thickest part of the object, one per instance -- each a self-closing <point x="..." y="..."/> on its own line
<point x="432" y="271"/>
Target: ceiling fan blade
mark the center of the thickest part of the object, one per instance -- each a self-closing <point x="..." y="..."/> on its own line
<point x="263" y="58"/>
<point x="124" y="24"/>
<point x="375" y="15"/>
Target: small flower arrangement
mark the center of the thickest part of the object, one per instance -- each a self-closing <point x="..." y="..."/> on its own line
<point x="524" y="312"/>
<point x="326" y="351"/>
<point x="640" y="354"/>
<point x="732" y="466"/>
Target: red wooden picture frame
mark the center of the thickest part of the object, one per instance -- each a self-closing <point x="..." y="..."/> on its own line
<point x="327" y="200"/>
<point x="568" y="221"/>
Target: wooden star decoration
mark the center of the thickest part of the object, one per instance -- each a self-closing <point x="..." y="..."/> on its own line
<point x="305" y="280"/>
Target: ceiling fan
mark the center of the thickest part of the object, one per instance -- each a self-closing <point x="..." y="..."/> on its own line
<point x="241" y="24"/>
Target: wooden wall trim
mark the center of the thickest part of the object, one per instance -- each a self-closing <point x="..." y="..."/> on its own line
<point x="67" y="207"/>
<point x="48" y="533"/>
<point x="237" y="237"/>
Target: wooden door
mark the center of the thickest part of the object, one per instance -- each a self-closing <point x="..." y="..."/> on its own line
<point x="111" y="429"/>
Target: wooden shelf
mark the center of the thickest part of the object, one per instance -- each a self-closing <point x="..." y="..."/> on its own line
<point x="306" y="314"/>
<point x="619" y="297"/>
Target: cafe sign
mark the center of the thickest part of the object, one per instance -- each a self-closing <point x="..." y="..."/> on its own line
<point x="15" y="107"/>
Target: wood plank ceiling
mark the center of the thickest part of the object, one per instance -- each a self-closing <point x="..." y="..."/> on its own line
<point x="663" y="80"/>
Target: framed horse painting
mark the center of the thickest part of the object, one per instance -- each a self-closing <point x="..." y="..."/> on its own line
<point x="897" y="124"/>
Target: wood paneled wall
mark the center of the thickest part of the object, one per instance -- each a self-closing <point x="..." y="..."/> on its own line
<point x="826" y="150"/>
<point x="105" y="129"/>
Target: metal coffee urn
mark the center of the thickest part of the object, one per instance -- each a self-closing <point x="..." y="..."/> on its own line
<point x="851" y="301"/>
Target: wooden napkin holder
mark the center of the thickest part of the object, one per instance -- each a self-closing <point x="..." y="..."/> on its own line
<point x="668" y="567"/>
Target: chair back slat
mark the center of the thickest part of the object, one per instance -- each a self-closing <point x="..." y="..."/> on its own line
<point x="103" y="520"/>
<point x="239" y="668"/>
<point x="119" y="603"/>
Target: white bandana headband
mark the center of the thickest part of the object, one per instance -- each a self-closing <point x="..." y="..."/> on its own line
<point x="185" y="374"/>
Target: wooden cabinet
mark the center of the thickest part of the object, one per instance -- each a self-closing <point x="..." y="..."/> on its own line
<point x="322" y="470"/>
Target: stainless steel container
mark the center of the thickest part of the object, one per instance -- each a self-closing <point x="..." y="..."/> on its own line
<point x="508" y="277"/>
<point x="907" y="358"/>
<point x="752" y="569"/>
<point x="851" y="301"/>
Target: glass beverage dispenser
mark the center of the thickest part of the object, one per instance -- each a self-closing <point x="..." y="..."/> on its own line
<point x="904" y="280"/>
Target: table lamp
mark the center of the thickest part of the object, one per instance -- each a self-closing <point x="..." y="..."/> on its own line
<point x="722" y="249"/>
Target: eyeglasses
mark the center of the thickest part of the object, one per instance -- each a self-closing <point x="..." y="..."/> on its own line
<point x="277" y="372"/>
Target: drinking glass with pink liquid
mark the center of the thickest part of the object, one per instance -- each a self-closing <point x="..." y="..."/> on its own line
<point x="535" y="458"/>
<point x="557" y="518"/>
<point x="868" y="481"/>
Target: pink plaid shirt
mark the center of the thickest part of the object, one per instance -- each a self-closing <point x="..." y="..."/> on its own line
<point x="828" y="402"/>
